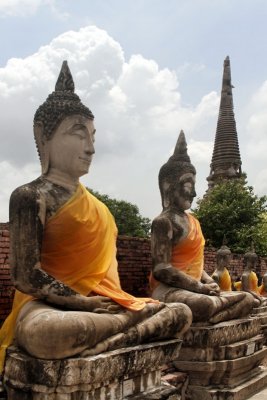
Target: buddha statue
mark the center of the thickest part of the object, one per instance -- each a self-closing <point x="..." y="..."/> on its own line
<point x="177" y="246"/>
<point x="249" y="279"/>
<point x="68" y="298"/>
<point x="221" y="274"/>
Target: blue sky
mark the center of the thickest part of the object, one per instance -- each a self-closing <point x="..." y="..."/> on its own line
<point x="147" y="68"/>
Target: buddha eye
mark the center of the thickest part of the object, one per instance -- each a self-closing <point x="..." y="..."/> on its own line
<point x="188" y="185"/>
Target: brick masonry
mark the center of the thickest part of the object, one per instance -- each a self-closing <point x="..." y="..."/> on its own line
<point x="134" y="259"/>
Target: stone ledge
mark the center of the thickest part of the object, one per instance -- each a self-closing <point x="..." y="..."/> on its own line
<point x="219" y="353"/>
<point x="114" y="375"/>
<point x="221" y="334"/>
<point x="241" y="392"/>
<point x="227" y="372"/>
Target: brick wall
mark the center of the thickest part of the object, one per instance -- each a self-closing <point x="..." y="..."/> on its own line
<point x="134" y="261"/>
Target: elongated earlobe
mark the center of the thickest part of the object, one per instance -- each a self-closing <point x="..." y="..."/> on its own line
<point x="42" y="146"/>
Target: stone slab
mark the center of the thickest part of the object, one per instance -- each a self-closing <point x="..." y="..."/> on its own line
<point x="222" y="334"/>
<point x="219" y="353"/>
<point x="243" y="391"/>
<point x="113" y="375"/>
<point x="216" y="372"/>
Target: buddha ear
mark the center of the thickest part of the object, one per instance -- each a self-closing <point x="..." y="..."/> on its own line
<point x="42" y="146"/>
<point x="166" y="194"/>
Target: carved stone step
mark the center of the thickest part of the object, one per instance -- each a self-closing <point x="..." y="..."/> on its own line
<point x="222" y="334"/>
<point x="241" y="392"/>
<point x="113" y="375"/>
<point x="218" y="353"/>
<point x="220" y="372"/>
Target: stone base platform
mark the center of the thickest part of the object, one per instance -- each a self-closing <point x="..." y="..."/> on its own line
<point x="241" y="392"/>
<point x="129" y="373"/>
<point x="261" y="313"/>
<point x="222" y="360"/>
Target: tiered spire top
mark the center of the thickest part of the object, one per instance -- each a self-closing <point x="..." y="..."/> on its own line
<point x="226" y="160"/>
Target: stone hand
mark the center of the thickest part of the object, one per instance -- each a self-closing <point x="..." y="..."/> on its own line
<point x="211" y="289"/>
<point x="101" y="304"/>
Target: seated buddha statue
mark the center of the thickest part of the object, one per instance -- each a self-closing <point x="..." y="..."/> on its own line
<point x="68" y="298"/>
<point x="221" y="274"/>
<point x="249" y="279"/>
<point x="177" y="246"/>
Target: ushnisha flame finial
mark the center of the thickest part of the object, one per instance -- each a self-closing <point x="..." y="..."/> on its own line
<point x="180" y="151"/>
<point x="65" y="80"/>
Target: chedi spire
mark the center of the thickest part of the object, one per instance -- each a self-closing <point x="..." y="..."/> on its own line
<point x="226" y="160"/>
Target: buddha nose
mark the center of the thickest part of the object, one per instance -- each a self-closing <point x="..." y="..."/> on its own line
<point x="89" y="147"/>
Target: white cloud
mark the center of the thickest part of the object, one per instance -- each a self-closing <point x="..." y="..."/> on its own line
<point x="200" y="152"/>
<point x="138" y="110"/>
<point x="22" y="8"/>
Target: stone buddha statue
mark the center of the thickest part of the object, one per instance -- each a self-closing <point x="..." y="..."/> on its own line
<point x="249" y="279"/>
<point x="63" y="251"/>
<point x="221" y="274"/>
<point x="178" y="273"/>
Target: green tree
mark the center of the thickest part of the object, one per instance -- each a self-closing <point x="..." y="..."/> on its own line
<point x="128" y="219"/>
<point x="231" y="208"/>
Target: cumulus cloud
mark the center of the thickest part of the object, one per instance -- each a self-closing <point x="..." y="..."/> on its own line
<point x="138" y="115"/>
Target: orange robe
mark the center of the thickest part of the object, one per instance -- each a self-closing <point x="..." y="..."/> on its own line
<point x="253" y="283"/>
<point x="225" y="281"/>
<point x="78" y="249"/>
<point x="188" y="254"/>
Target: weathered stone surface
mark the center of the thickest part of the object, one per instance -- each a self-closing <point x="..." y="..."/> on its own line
<point x="221" y="372"/>
<point x="228" y="352"/>
<point x="113" y="375"/>
<point x="240" y="392"/>
<point x="222" y="334"/>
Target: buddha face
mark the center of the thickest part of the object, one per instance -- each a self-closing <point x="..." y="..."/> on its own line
<point x="184" y="191"/>
<point x="71" y="147"/>
<point x="223" y="260"/>
<point x="250" y="262"/>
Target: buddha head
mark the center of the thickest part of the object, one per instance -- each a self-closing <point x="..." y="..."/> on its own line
<point x="250" y="259"/>
<point x="223" y="256"/>
<point x="63" y="126"/>
<point x="177" y="178"/>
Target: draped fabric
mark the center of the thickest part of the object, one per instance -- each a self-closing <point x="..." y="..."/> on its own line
<point x="188" y="254"/>
<point x="253" y="283"/>
<point x="262" y="290"/>
<point x="78" y="249"/>
<point x="8" y="328"/>
<point x="225" y="282"/>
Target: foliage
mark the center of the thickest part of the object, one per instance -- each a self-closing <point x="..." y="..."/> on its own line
<point x="127" y="217"/>
<point x="232" y="209"/>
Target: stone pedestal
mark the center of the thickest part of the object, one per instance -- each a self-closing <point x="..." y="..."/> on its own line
<point x="261" y="313"/>
<point x="128" y="373"/>
<point x="223" y="360"/>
